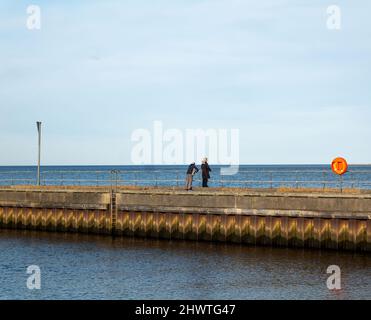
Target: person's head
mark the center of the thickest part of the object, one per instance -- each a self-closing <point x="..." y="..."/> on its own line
<point x="205" y="159"/>
<point x="193" y="163"/>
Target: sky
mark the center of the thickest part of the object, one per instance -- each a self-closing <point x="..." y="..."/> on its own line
<point x="298" y="92"/>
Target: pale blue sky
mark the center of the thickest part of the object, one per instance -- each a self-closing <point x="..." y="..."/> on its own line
<point x="97" y="70"/>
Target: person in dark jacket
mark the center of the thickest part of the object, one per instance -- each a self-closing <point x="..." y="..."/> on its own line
<point x="191" y="171"/>
<point x="205" y="173"/>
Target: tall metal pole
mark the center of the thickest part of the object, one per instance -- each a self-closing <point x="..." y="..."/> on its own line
<point x="38" y="124"/>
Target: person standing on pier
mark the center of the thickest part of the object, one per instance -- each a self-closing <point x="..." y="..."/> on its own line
<point x="191" y="171"/>
<point x="205" y="173"/>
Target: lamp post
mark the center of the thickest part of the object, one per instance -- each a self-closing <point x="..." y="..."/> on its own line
<point x="38" y="124"/>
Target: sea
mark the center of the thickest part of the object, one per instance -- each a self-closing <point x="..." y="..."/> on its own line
<point x="243" y="176"/>
<point x="80" y="266"/>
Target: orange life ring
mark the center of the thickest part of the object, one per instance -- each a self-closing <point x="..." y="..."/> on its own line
<point x="339" y="166"/>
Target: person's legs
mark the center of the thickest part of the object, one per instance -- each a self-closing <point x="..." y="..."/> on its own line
<point x="189" y="182"/>
<point x="204" y="182"/>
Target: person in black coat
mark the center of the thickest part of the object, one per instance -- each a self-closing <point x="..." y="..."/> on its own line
<point x="205" y="173"/>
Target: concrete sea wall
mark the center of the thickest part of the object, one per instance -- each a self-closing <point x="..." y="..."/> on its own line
<point x="310" y="220"/>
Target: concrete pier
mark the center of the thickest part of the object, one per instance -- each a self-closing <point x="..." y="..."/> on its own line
<point x="256" y="217"/>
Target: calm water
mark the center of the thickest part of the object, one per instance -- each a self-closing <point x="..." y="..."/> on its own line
<point x="252" y="176"/>
<point x="77" y="266"/>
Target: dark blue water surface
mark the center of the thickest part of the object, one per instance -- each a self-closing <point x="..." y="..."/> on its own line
<point x="249" y="176"/>
<point x="77" y="266"/>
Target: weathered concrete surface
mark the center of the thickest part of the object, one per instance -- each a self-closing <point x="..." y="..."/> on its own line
<point x="39" y="198"/>
<point x="316" y="220"/>
<point x="291" y="204"/>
